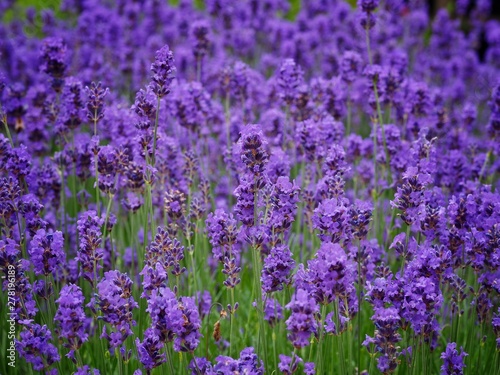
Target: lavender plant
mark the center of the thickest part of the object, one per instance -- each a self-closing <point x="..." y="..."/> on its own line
<point x="250" y="187"/>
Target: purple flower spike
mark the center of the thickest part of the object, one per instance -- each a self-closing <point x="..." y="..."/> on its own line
<point x="47" y="252"/>
<point x="54" y="64"/>
<point x="302" y="322"/>
<point x="34" y="346"/>
<point x="277" y="268"/>
<point x="453" y="361"/>
<point x="86" y="370"/>
<point x="116" y="304"/>
<point x="253" y="149"/>
<point x="289" y="365"/>
<point x="150" y="350"/>
<point x="71" y="318"/>
<point x="163" y="70"/>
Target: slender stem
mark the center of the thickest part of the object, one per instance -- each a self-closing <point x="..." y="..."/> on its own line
<point x="7" y="130"/>
<point x="97" y="191"/>
<point x="485" y="164"/>
<point x="153" y="160"/>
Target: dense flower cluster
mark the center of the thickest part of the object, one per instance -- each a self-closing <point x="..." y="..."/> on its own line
<point x="183" y="183"/>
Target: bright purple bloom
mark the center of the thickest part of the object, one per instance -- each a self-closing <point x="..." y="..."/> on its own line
<point x="86" y="370"/>
<point x="302" y="322"/>
<point x="277" y="269"/>
<point x="116" y="305"/>
<point x="289" y="365"/>
<point x="150" y="350"/>
<point x="71" y="318"/>
<point x="163" y="70"/>
<point x="47" y="252"/>
<point x="453" y="361"/>
<point x="188" y="334"/>
<point x="35" y="346"/>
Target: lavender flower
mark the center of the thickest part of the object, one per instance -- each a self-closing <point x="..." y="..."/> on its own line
<point x="289" y="365"/>
<point x="332" y="220"/>
<point x="47" y="252"/>
<point x="71" y="318"/>
<point x="86" y="370"/>
<point x="453" y="361"/>
<point x="273" y="312"/>
<point x="35" y="347"/>
<point x="163" y="72"/>
<point x="167" y="318"/>
<point x="150" y="350"/>
<point x="116" y="304"/>
<point x="289" y="79"/>
<point x="54" y="64"/>
<point x="386" y="338"/>
<point x="277" y="268"/>
<point x="200" y="34"/>
<point x="95" y="102"/>
<point x="188" y="334"/>
<point x="253" y="151"/>
<point x="90" y="252"/>
<point x="222" y="232"/>
<point x="302" y="322"/>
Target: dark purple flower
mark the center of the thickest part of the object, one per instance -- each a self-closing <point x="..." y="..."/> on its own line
<point x="290" y="77"/>
<point x="302" y="322"/>
<point x="70" y="318"/>
<point x="201" y="366"/>
<point x="284" y="198"/>
<point x="90" y="252"/>
<point x="188" y="334"/>
<point x="367" y="6"/>
<point x="47" y="252"/>
<point x="309" y="368"/>
<point x="453" y="361"/>
<point x="252" y="144"/>
<point x="200" y="34"/>
<point x="35" y="346"/>
<point x="163" y="70"/>
<point x="150" y="350"/>
<point x="289" y="365"/>
<point x="116" y="305"/>
<point x="273" y="312"/>
<point x="277" y="269"/>
<point x="222" y="232"/>
<point x="86" y="370"/>
<point x="19" y="161"/>
<point x="331" y="218"/>
<point x="95" y="102"/>
<point x="387" y="323"/>
<point x="54" y="64"/>
<point x="167" y="318"/>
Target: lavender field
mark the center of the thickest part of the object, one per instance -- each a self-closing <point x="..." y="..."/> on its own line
<point x="249" y="187"/>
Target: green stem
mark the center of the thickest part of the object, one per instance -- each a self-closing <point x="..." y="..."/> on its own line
<point x="155" y="130"/>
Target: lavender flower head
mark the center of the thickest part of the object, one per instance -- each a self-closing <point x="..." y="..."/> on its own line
<point x="53" y="56"/>
<point x="289" y="79"/>
<point x="453" y="361"/>
<point x="35" y="347"/>
<point x="95" y="102"/>
<point x="188" y="334"/>
<point x="289" y="365"/>
<point x="277" y="268"/>
<point x="116" y="304"/>
<point x="164" y="71"/>
<point x="200" y="32"/>
<point x="71" y="318"/>
<point x="150" y="350"/>
<point x="302" y="322"/>
<point x="253" y="149"/>
<point x="47" y="252"/>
